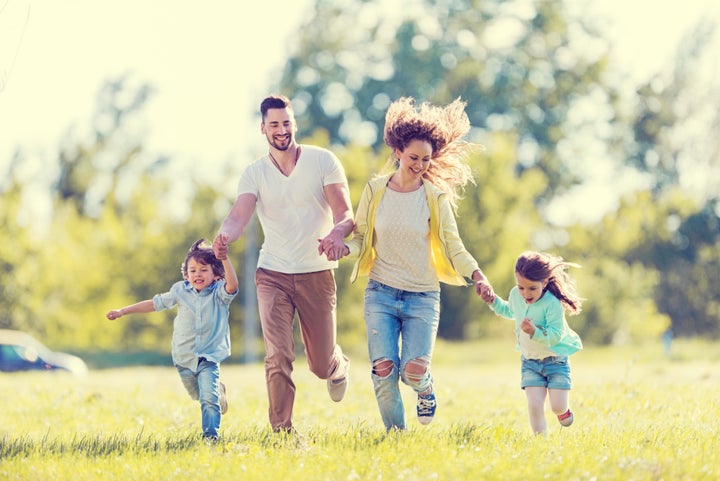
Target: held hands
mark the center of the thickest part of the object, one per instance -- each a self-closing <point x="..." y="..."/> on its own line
<point x="485" y="291"/>
<point x="220" y="246"/>
<point x="333" y="246"/>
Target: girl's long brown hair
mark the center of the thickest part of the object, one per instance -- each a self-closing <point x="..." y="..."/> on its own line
<point x="540" y="266"/>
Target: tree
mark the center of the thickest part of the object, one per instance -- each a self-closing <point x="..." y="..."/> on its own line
<point x="520" y="69"/>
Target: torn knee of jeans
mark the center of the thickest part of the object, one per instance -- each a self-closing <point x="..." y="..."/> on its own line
<point x="382" y="367"/>
<point x="415" y="369"/>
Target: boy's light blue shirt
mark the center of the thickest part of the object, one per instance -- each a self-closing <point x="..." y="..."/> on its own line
<point x="552" y="330"/>
<point x="201" y="327"/>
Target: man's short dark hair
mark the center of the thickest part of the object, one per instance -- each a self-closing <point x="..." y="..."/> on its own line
<point x="274" y="102"/>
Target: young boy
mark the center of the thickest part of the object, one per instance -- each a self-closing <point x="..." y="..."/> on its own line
<point x="201" y="334"/>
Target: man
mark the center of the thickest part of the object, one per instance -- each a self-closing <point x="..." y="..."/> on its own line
<point x="303" y="204"/>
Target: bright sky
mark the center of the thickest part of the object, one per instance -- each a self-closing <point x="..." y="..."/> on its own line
<point x="210" y="64"/>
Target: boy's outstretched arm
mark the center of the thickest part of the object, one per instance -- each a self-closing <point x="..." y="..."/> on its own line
<point x="137" y="308"/>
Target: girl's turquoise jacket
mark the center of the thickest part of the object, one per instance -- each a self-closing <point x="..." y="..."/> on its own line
<point x="548" y="315"/>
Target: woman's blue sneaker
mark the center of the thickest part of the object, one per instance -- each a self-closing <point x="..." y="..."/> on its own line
<point x="426" y="408"/>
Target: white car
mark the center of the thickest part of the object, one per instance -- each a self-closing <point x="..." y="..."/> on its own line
<point x="20" y="351"/>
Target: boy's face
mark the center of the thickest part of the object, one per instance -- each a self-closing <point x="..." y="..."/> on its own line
<point x="199" y="275"/>
<point x="530" y="290"/>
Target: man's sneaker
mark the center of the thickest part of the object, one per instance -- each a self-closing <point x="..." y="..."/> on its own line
<point x="337" y="387"/>
<point x="223" y="398"/>
<point x="566" y="419"/>
<point x="426" y="408"/>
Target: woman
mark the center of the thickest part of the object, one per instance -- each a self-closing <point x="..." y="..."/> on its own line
<point x="407" y="242"/>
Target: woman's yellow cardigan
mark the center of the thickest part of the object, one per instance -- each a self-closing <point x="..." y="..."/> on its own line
<point x="453" y="263"/>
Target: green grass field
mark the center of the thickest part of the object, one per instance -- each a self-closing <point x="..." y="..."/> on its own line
<point x="638" y="416"/>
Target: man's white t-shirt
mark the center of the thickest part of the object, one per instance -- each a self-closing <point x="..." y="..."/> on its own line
<point x="293" y="211"/>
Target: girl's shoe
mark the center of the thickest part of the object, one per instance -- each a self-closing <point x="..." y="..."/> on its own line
<point x="566" y="419"/>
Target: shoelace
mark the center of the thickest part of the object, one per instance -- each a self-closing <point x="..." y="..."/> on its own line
<point x="425" y="406"/>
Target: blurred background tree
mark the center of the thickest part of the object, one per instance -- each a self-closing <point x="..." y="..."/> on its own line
<point x="542" y="103"/>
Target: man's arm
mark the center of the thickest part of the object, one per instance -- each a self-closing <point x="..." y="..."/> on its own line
<point x="234" y="224"/>
<point x="333" y="245"/>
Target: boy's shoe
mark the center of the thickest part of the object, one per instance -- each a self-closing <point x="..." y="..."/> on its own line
<point x="426" y="406"/>
<point x="210" y="440"/>
<point x="566" y="419"/>
<point x="337" y="387"/>
<point x="223" y="399"/>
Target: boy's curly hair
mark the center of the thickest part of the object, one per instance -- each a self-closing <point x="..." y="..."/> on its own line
<point x="202" y="252"/>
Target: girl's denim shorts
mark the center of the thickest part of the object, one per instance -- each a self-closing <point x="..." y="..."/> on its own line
<point x="551" y="372"/>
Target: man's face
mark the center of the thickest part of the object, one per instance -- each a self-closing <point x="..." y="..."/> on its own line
<point x="279" y="128"/>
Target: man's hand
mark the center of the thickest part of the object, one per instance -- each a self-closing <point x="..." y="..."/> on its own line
<point x="220" y="246"/>
<point x="333" y="246"/>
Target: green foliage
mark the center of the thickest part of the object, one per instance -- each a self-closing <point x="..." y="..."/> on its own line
<point x="17" y="264"/>
<point x="351" y="62"/>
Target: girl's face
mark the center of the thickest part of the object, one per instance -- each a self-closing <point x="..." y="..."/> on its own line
<point x="530" y="290"/>
<point x="199" y="275"/>
<point x="415" y="159"/>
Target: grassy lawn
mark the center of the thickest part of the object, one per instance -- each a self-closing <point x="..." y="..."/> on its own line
<point x="638" y="415"/>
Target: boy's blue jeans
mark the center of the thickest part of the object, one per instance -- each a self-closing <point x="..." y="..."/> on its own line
<point x="203" y="385"/>
<point x="401" y="327"/>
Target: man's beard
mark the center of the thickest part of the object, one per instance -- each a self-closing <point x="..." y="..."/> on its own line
<point x="280" y="147"/>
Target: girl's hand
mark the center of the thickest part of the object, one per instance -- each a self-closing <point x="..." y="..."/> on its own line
<point x="485" y="290"/>
<point x="528" y="327"/>
<point x="114" y="314"/>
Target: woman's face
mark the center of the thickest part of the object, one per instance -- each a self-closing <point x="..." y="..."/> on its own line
<point x="531" y="291"/>
<point x="415" y="159"/>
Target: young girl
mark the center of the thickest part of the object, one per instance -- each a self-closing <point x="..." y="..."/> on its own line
<point x="538" y="302"/>
<point x="201" y="334"/>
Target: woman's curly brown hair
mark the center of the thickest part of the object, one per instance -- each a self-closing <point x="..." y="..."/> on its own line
<point x="444" y="129"/>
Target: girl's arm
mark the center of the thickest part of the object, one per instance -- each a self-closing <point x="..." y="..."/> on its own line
<point x="502" y="308"/>
<point x="141" y="307"/>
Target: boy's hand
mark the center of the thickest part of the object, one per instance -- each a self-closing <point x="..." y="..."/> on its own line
<point x="220" y="246"/>
<point x="114" y="314"/>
